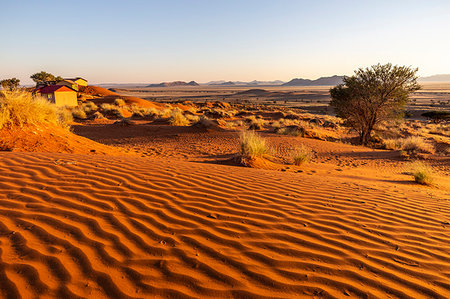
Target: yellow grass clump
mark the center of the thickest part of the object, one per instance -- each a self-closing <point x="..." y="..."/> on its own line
<point x="301" y="155"/>
<point x="178" y="119"/>
<point x="79" y="113"/>
<point x="20" y="108"/>
<point x="119" y="102"/>
<point x="412" y="144"/>
<point x="421" y="172"/>
<point x="252" y="145"/>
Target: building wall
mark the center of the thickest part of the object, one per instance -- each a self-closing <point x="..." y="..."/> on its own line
<point x="81" y="82"/>
<point x="66" y="98"/>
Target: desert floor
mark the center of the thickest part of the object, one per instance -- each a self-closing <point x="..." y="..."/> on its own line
<point x="172" y="214"/>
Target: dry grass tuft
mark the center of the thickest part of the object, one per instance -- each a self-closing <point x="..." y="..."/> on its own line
<point x="178" y="119"/>
<point x="205" y="123"/>
<point x="119" y="102"/>
<point x="112" y="110"/>
<point x="255" y="123"/>
<point x="302" y="155"/>
<point x="79" y="113"/>
<point x="252" y="145"/>
<point x="412" y="144"/>
<point x="20" y="108"/>
<point x="422" y="173"/>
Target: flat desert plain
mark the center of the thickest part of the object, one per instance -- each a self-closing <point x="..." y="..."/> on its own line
<point x="151" y="204"/>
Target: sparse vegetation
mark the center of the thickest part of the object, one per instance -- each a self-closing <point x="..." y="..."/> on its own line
<point x="301" y="155"/>
<point x="119" y="102"/>
<point x="20" y="108"/>
<point x="255" y="123"/>
<point x="422" y="173"/>
<point x="412" y="144"/>
<point x="89" y="107"/>
<point x="178" y="119"/>
<point x="112" y="110"/>
<point x="79" y="113"/>
<point x="252" y="145"/>
<point x="204" y="122"/>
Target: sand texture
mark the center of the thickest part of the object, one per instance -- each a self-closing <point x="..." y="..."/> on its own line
<point x="75" y="225"/>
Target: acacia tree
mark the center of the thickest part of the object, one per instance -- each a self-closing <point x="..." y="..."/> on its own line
<point x="372" y="95"/>
<point x="10" y="84"/>
<point x="43" y="77"/>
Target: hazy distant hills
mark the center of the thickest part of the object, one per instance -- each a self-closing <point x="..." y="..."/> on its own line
<point x="436" y="78"/>
<point x="333" y="80"/>
<point x="242" y="83"/>
<point x="322" y="81"/>
<point x="174" y="83"/>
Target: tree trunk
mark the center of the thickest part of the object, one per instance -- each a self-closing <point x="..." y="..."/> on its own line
<point x="364" y="136"/>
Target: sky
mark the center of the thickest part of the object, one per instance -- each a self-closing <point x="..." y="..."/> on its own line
<point x="204" y="40"/>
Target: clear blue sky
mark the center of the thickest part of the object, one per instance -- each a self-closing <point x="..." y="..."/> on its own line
<point x="153" y="41"/>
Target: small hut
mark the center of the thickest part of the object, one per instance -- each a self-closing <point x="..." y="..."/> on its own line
<point x="61" y="95"/>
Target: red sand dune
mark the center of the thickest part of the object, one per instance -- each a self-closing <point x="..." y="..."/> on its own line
<point x="107" y="96"/>
<point x="97" y="91"/>
<point x="51" y="139"/>
<point x="123" y="227"/>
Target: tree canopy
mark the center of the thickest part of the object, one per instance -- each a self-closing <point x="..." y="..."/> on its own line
<point x="43" y="77"/>
<point x="372" y="95"/>
<point x="10" y="84"/>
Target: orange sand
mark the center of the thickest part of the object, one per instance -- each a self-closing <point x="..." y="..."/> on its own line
<point x="97" y="226"/>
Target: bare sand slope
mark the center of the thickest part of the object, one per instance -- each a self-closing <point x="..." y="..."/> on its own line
<point x="96" y="226"/>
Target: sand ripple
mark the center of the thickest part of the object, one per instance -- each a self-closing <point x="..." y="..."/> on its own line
<point x="86" y="226"/>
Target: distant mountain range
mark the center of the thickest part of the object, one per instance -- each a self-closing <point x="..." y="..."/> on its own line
<point x="243" y="83"/>
<point x="322" y="81"/>
<point x="174" y="83"/>
<point x="333" y="80"/>
<point x="436" y="78"/>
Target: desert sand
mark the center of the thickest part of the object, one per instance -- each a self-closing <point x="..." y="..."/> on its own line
<point x="126" y="227"/>
<point x="149" y="210"/>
